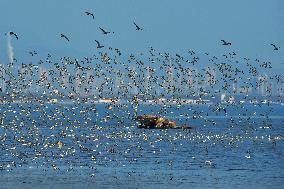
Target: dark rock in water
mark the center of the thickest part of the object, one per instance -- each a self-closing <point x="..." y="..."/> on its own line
<point x="155" y="122"/>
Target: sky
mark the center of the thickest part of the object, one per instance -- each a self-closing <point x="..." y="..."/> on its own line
<point x="168" y="25"/>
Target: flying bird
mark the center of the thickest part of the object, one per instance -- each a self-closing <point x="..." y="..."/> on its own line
<point x="64" y="36"/>
<point x="226" y="43"/>
<point x="275" y="48"/>
<point x="98" y="44"/>
<point x="33" y="53"/>
<point x="104" y="31"/>
<point x="137" y="27"/>
<point x="14" y="34"/>
<point x="90" y="14"/>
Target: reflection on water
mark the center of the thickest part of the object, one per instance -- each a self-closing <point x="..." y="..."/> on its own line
<point x="67" y="146"/>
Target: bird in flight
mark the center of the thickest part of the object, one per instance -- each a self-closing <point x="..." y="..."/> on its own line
<point x="98" y="44"/>
<point x="137" y="27"/>
<point x="64" y="36"/>
<point x="104" y="31"/>
<point x="14" y="34"/>
<point x="33" y="53"/>
<point x="226" y="43"/>
<point x="275" y="48"/>
<point x="90" y="14"/>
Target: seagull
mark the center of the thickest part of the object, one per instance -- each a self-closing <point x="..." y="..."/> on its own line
<point x="14" y="34"/>
<point x="210" y="163"/>
<point x="275" y="48"/>
<point x="64" y="36"/>
<point x="226" y="43"/>
<point x="104" y="31"/>
<point x="90" y="14"/>
<point x="98" y="44"/>
<point x="137" y="27"/>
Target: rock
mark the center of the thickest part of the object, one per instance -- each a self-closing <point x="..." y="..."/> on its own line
<point x="155" y="122"/>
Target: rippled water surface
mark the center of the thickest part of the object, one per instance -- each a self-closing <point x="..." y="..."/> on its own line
<point x="102" y="148"/>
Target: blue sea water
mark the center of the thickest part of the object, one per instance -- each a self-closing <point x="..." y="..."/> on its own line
<point x="241" y="147"/>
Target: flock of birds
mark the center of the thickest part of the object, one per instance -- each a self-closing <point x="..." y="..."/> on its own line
<point x="36" y="132"/>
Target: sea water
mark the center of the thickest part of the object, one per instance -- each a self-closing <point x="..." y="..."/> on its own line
<point x="241" y="147"/>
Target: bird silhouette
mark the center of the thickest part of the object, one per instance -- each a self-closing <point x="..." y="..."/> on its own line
<point x="137" y="27"/>
<point x="13" y="34"/>
<point x="90" y="14"/>
<point x="275" y="47"/>
<point x="98" y="44"/>
<point x="226" y="43"/>
<point x="33" y="52"/>
<point x="105" y="32"/>
<point x="64" y="36"/>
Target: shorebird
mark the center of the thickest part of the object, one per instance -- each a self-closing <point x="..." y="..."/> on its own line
<point x="226" y="43"/>
<point x="98" y="44"/>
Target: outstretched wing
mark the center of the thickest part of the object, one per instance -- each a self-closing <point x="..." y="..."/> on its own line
<point x="64" y="36"/>
<point x="14" y="34"/>
<point x="137" y="27"/>
<point x="102" y="30"/>
<point x="98" y="43"/>
<point x="90" y="14"/>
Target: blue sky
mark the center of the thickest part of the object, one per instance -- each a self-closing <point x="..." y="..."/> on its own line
<point x="172" y="26"/>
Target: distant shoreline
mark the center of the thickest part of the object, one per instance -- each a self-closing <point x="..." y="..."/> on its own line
<point x="147" y="102"/>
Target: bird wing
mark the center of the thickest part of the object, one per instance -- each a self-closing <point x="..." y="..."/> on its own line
<point x="97" y="42"/>
<point x="90" y="14"/>
<point x="102" y="30"/>
<point x="136" y="25"/>
<point x="62" y="35"/>
<point x="16" y="36"/>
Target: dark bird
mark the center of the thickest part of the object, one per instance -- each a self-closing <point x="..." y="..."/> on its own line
<point x="64" y="36"/>
<point x="137" y="27"/>
<point x="226" y="43"/>
<point x="98" y="44"/>
<point x="14" y="34"/>
<point x="90" y="14"/>
<point x="33" y="53"/>
<point x="104" y="31"/>
<point x="275" y="48"/>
